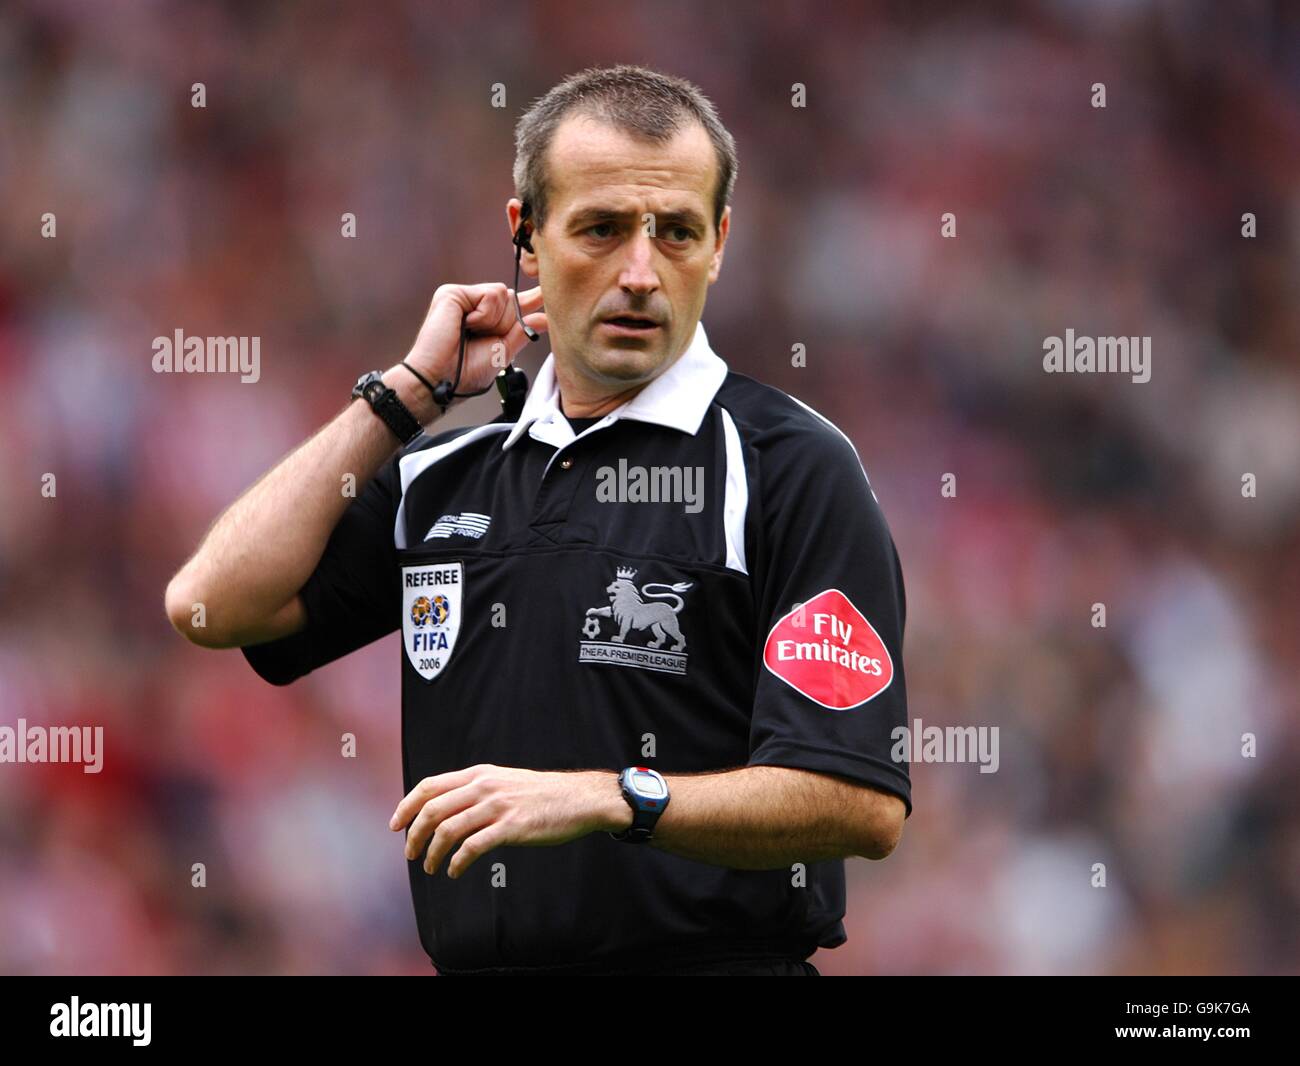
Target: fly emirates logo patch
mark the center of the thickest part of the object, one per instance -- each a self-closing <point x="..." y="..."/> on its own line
<point x="828" y="651"/>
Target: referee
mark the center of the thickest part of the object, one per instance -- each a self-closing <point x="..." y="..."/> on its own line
<point x="651" y="624"/>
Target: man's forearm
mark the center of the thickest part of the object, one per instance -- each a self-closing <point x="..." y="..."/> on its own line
<point x="767" y="817"/>
<point x="260" y="551"/>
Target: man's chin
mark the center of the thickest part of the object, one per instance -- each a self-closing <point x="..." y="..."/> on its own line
<point x="623" y="364"/>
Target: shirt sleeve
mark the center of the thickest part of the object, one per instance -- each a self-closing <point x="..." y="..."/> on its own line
<point x="352" y="596"/>
<point x="831" y="606"/>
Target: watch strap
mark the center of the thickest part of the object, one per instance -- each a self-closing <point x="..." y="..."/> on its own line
<point x="385" y="402"/>
<point x="644" y="819"/>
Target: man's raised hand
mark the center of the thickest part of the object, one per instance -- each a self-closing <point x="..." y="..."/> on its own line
<point x="496" y="336"/>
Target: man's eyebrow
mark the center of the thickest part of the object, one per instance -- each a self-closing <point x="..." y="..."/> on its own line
<point x="687" y="215"/>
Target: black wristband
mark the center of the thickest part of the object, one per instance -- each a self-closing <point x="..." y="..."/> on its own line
<point x="385" y="402"/>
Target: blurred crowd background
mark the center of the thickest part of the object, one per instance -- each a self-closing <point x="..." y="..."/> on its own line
<point x="1119" y="745"/>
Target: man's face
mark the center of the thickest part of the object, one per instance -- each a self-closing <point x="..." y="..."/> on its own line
<point x="597" y="256"/>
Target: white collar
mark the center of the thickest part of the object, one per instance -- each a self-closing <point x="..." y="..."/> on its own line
<point x="677" y="398"/>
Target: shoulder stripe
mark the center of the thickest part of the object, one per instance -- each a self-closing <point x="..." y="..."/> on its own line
<point x="841" y="432"/>
<point x="735" y="501"/>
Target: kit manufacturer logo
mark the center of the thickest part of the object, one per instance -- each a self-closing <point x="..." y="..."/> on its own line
<point x="651" y="610"/>
<point x="433" y="601"/>
<point x="465" y="524"/>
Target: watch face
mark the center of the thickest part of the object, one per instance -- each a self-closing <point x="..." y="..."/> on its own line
<point x="647" y="785"/>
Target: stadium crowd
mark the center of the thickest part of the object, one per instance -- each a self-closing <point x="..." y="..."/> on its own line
<point x="1120" y="745"/>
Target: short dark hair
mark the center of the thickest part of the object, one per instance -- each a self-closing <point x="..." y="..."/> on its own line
<point x="636" y="100"/>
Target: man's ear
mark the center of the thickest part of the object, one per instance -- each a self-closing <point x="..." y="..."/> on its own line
<point x="520" y="223"/>
<point x="724" y="228"/>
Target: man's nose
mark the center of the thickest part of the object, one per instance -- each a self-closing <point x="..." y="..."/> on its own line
<point x="639" y="274"/>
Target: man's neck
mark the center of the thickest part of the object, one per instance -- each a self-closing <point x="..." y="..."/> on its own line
<point x="595" y="407"/>
<point x="579" y="398"/>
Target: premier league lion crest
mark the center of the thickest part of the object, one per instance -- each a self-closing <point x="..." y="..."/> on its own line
<point x="634" y="611"/>
<point x="433" y="597"/>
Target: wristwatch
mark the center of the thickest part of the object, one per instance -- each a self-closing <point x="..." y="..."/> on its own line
<point x="647" y="794"/>
<point x="386" y="404"/>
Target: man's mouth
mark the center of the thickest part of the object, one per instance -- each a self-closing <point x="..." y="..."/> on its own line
<point x="632" y="322"/>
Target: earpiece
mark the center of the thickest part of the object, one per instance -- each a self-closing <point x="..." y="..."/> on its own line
<point x="522" y="238"/>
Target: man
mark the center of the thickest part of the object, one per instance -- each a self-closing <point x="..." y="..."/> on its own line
<point x="651" y="628"/>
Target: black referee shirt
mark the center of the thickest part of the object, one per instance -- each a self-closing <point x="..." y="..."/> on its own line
<point x="698" y="581"/>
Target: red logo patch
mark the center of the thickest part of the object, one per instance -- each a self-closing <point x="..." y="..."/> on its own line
<point x="830" y="653"/>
